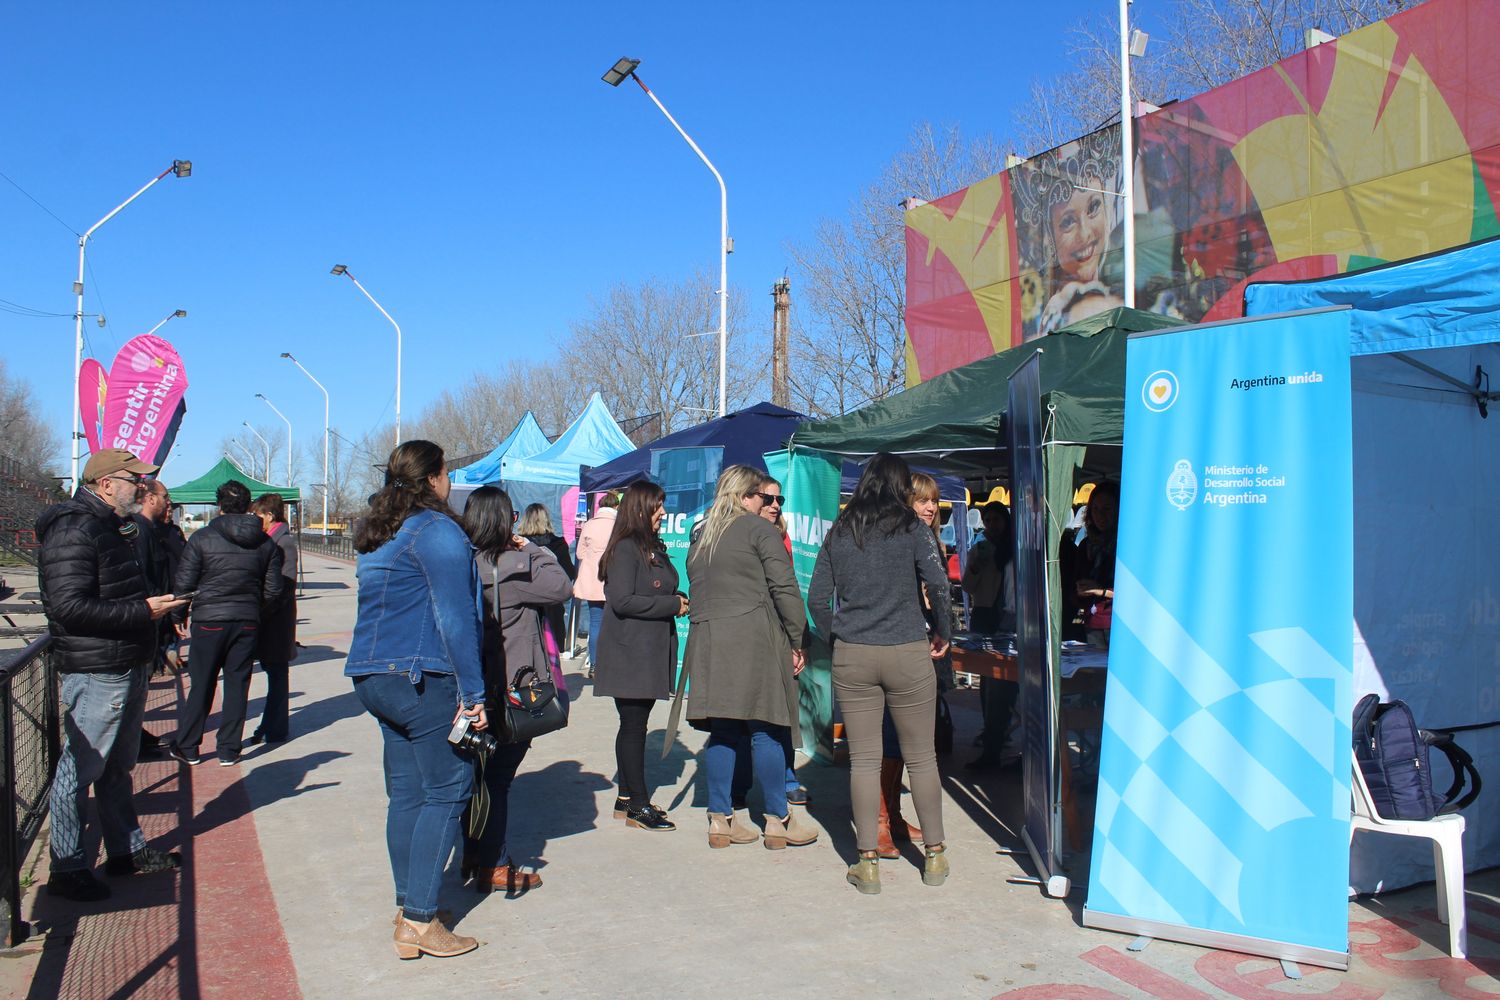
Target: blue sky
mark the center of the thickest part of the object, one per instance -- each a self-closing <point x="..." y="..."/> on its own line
<point x="463" y="159"/>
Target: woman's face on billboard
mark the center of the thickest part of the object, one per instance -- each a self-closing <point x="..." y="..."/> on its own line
<point x="1080" y="231"/>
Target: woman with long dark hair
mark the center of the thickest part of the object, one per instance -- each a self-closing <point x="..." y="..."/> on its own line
<point x="520" y="580"/>
<point x="743" y="655"/>
<point x="876" y="560"/>
<point x="637" y="641"/>
<point x="415" y="660"/>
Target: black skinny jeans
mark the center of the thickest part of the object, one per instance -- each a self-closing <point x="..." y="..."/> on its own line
<point x="630" y="749"/>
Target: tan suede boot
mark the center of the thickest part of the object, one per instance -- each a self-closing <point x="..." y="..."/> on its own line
<point x="724" y="830"/>
<point x="414" y="940"/>
<point x="794" y="830"/>
<point x="935" y="867"/>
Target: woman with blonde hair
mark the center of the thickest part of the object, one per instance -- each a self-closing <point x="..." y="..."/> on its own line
<point x="743" y="654"/>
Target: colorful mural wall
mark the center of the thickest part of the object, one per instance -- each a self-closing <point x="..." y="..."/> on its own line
<point x="1382" y="145"/>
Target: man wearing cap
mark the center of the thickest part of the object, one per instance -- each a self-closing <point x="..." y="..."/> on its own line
<point x="103" y="623"/>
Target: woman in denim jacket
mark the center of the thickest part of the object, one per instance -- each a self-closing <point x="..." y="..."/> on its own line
<point x="416" y="662"/>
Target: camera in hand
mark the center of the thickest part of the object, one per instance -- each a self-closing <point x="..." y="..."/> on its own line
<point x="471" y="740"/>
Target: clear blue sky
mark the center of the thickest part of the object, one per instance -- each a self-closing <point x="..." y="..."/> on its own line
<point x="463" y="159"/>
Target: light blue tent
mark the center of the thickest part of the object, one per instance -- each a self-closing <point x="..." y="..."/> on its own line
<point x="524" y="441"/>
<point x="551" y="477"/>
<point x="1426" y="517"/>
<point x="593" y="439"/>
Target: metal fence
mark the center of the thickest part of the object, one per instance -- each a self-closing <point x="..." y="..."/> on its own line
<point x="30" y="741"/>
<point x="333" y="546"/>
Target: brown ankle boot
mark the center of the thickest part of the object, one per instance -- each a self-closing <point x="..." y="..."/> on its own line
<point x="507" y="878"/>
<point x="794" y="830"/>
<point x="414" y="940"/>
<point x="890" y="796"/>
<point x="724" y="831"/>
<point x="884" y="846"/>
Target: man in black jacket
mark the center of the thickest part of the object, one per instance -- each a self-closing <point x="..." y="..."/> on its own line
<point x="235" y="568"/>
<point x="102" y="617"/>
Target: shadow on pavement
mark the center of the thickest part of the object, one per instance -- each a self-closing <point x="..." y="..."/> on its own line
<point x="271" y="781"/>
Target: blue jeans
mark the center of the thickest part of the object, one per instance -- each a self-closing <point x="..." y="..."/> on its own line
<point x="744" y="774"/>
<point x="427" y="780"/>
<point x="102" y="716"/>
<point x="596" y="619"/>
<point x="726" y="745"/>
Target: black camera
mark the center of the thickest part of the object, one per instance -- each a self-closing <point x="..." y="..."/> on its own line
<point x="471" y="740"/>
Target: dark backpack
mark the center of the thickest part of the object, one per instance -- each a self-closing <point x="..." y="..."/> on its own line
<point x="1392" y="754"/>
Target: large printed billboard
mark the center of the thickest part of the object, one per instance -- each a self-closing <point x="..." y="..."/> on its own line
<point x="1380" y="146"/>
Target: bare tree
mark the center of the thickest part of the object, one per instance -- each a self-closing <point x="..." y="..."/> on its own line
<point x="1208" y="43"/>
<point x="849" y="341"/>
<point x="647" y="349"/>
<point x="23" y="437"/>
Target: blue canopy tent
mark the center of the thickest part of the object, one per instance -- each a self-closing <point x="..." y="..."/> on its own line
<point x="551" y="477"/>
<point x="1426" y="338"/>
<point x="525" y="440"/>
<point x="745" y="436"/>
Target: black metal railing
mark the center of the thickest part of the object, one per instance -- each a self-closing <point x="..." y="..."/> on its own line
<point x="333" y="546"/>
<point x="30" y="741"/>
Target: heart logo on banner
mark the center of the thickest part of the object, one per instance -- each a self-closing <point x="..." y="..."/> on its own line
<point x="1159" y="390"/>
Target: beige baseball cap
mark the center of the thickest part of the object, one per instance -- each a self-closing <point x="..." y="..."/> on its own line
<point x="111" y="460"/>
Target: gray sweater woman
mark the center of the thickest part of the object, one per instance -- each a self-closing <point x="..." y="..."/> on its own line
<point x="518" y="586"/>
<point x="878" y="589"/>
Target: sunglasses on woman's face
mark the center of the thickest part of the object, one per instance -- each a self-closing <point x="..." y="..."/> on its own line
<point x="772" y="499"/>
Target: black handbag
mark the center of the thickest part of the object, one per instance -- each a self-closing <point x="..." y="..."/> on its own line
<point x="531" y="708"/>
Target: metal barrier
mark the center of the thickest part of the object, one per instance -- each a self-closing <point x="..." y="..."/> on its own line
<point x="30" y="742"/>
<point x="333" y="546"/>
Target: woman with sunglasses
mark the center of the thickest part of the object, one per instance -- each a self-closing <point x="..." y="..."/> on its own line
<point x="743" y="654"/>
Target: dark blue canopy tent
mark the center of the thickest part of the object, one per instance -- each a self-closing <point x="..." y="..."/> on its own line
<point x="745" y="436"/>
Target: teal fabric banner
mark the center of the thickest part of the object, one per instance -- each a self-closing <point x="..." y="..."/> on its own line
<point x="1223" y="801"/>
<point x="689" y="476"/>
<point x="810" y="482"/>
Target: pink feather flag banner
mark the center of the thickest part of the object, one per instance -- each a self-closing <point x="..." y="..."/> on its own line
<point x="144" y="405"/>
<point x="92" y="383"/>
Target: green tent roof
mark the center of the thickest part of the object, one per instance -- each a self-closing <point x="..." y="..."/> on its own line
<point x="955" y="420"/>
<point x="202" y="489"/>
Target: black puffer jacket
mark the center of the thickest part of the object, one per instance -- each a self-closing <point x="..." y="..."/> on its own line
<point x="236" y="569"/>
<point x="93" y="590"/>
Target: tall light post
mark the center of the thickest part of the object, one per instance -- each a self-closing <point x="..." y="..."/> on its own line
<point x="262" y="397"/>
<point x="267" y="446"/>
<point x="614" y="77"/>
<point x="247" y="453"/>
<point x="174" y="314"/>
<point x="182" y="168"/>
<point x="344" y="270"/>
<point x="1131" y="43"/>
<point x="315" y="382"/>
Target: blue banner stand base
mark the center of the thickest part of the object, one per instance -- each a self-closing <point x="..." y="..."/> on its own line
<point x="1244" y="944"/>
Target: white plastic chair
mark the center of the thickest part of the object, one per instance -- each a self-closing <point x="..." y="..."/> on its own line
<point x="1447" y="834"/>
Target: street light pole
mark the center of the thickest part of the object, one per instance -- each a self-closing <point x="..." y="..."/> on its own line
<point x="174" y="314"/>
<point x="341" y="269"/>
<point x="315" y="382"/>
<point x="267" y="445"/>
<point x="617" y="73"/>
<point x="246" y="451"/>
<point x="182" y="168"/>
<point x="262" y="397"/>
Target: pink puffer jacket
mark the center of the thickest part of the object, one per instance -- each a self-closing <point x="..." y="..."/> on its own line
<point x="592" y="538"/>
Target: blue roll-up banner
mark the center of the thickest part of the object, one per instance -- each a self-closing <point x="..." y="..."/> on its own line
<point x="1223" y="805"/>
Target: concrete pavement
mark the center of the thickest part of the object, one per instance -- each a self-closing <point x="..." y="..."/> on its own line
<point x="626" y="913"/>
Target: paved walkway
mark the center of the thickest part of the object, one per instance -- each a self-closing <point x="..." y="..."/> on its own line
<point x="287" y="892"/>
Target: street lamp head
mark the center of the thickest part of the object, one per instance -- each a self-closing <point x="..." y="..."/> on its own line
<point x="620" y="70"/>
<point x="182" y="168"/>
<point x="288" y="356"/>
<point x="260" y="395"/>
<point x="339" y="269"/>
<point x="180" y="314"/>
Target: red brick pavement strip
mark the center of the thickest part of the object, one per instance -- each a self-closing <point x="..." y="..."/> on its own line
<point x="210" y="931"/>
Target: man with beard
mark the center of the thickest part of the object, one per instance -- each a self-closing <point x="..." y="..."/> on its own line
<point x="102" y="617"/>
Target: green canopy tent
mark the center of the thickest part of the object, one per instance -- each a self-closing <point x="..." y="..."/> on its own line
<point x="203" y="489"/>
<point x="955" y="423"/>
